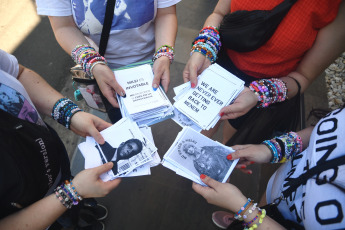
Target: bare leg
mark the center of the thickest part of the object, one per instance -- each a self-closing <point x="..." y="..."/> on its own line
<point x="228" y="131"/>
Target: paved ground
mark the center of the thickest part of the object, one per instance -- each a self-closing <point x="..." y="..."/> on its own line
<point x="162" y="200"/>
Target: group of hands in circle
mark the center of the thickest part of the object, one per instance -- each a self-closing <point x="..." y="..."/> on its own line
<point x="225" y="195"/>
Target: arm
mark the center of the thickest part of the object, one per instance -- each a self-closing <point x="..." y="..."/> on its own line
<point x="329" y="44"/>
<point x="44" y="212"/>
<point x="82" y="123"/>
<point x="165" y="34"/>
<point x="69" y="36"/>
<point x="249" y="154"/>
<point x="198" y="62"/>
<point x="228" y="196"/>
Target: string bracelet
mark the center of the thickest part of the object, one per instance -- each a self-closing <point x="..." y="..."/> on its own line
<point x="269" y="91"/>
<point x="207" y="43"/>
<point x="63" y="111"/>
<point x="164" y="50"/>
<point x="262" y="214"/>
<point x="239" y="215"/>
<point x="87" y="57"/>
<point x="284" y="147"/>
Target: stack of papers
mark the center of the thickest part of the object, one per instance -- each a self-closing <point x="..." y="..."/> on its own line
<point x="193" y="154"/>
<point x="216" y="89"/>
<point x="142" y="104"/>
<point x="131" y="149"/>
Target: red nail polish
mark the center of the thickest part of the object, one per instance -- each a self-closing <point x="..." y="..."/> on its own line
<point x="252" y="162"/>
<point x="243" y="167"/>
<point x="221" y="114"/>
<point x="229" y="157"/>
<point x="193" y="85"/>
<point x="202" y="176"/>
<point x="250" y="172"/>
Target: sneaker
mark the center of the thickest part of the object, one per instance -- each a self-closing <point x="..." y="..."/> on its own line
<point x="99" y="211"/>
<point x="96" y="225"/>
<point x="222" y="219"/>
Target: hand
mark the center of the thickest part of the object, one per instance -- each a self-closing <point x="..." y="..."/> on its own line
<point x="86" y="124"/>
<point x="107" y="83"/>
<point x="194" y="67"/>
<point x="88" y="183"/>
<point x="224" y="195"/>
<point x="245" y="101"/>
<point x="161" y="70"/>
<point x="249" y="154"/>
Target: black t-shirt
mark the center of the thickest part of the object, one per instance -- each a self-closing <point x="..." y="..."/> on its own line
<point x="32" y="156"/>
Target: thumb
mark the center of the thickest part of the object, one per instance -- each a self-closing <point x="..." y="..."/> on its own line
<point x="104" y="168"/>
<point x="193" y="78"/>
<point x="97" y="135"/>
<point x="237" y="154"/>
<point x="156" y="81"/>
<point x="209" y="181"/>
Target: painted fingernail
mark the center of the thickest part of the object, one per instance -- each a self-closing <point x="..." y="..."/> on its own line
<point x="221" y="114"/>
<point x="252" y="162"/>
<point x="249" y="172"/>
<point x="192" y="85"/>
<point x="229" y="157"/>
<point x="154" y="87"/>
<point x="243" y="167"/>
<point x="202" y="176"/>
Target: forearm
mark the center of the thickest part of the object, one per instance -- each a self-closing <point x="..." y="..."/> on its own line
<point x="305" y="135"/>
<point x="67" y="33"/>
<point x="41" y="93"/>
<point x="166" y="26"/>
<point x="39" y="215"/>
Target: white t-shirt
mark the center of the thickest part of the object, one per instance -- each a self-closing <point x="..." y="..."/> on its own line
<point x="315" y="205"/>
<point x="13" y="97"/>
<point x="131" y="36"/>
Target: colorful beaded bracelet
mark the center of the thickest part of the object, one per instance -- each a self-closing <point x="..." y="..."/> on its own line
<point x="164" y="50"/>
<point x="269" y="91"/>
<point x="63" y="111"/>
<point x="284" y="147"/>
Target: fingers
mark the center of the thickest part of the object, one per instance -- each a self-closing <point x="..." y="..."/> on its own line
<point x="112" y="184"/>
<point x="103" y="168"/>
<point x="165" y="83"/>
<point x="97" y="135"/>
<point x="161" y="73"/>
<point x="197" y="188"/>
<point x="238" y="153"/>
<point x="162" y="78"/>
<point x="231" y="111"/>
<point x="190" y="73"/>
<point x="209" y="181"/>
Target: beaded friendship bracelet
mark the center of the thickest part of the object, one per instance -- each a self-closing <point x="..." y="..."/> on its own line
<point x="87" y="57"/>
<point x="284" y="147"/>
<point x="207" y="43"/>
<point x="262" y="214"/>
<point x="67" y="194"/>
<point x="164" y="50"/>
<point x="243" y="210"/>
<point x="269" y="91"/>
<point x="63" y="111"/>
